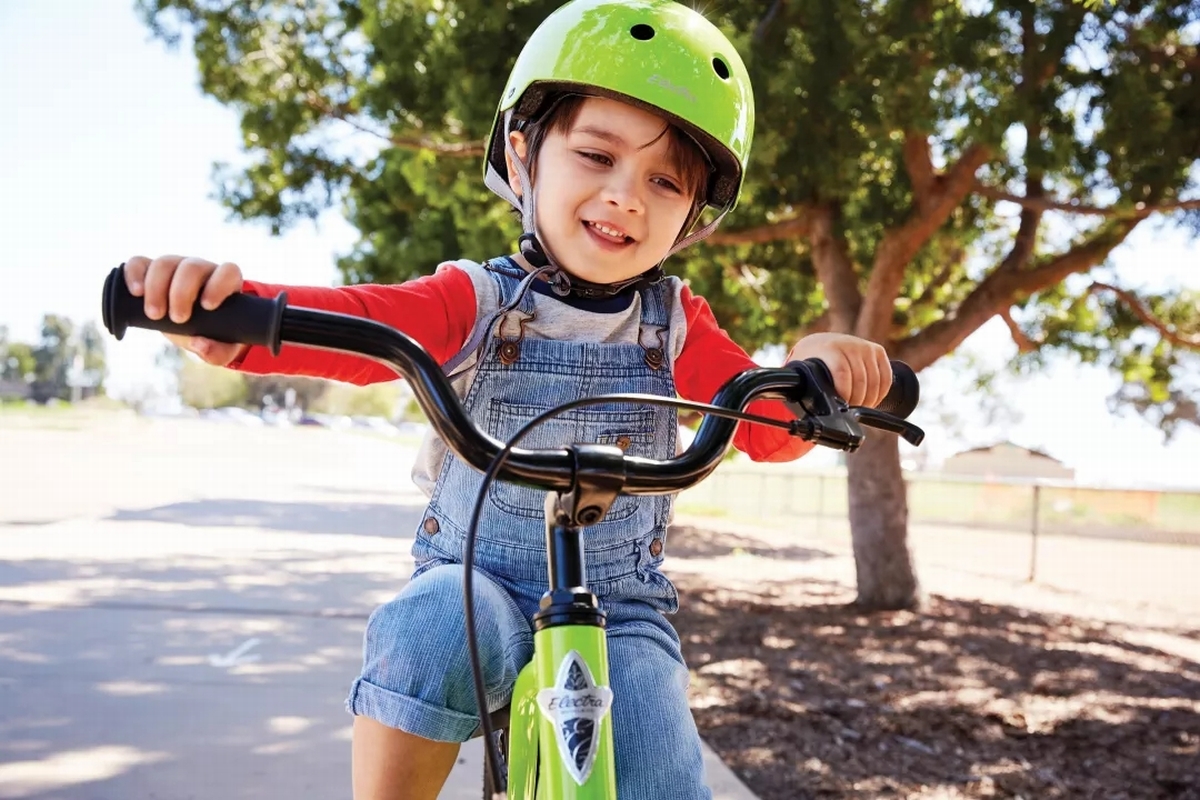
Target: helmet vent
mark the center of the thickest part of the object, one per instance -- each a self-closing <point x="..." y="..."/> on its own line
<point x="721" y="68"/>
<point x="642" y="32"/>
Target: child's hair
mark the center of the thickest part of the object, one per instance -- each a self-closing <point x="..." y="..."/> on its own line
<point x="683" y="153"/>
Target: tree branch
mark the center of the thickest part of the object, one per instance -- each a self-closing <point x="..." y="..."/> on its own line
<point x="1080" y="258"/>
<point x="1024" y="343"/>
<point x="951" y="261"/>
<point x="798" y="227"/>
<point x="899" y="245"/>
<point x="453" y="149"/>
<point x="760" y="30"/>
<point x="1076" y="207"/>
<point x="1141" y="312"/>
<point x="345" y="114"/>
<point x="939" y="280"/>
<point x="1026" y="239"/>
<point x="918" y="163"/>
<point x="1000" y="289"/>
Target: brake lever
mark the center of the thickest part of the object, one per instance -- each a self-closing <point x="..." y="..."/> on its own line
<point x="886" y="422"/>
<point x="826" y="419"/>
<point x="822" y="416"/>
<point x="839" y="431"/>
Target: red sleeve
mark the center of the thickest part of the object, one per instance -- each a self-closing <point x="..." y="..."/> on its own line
<point x="709" y="359"/>
<point x="437" y="310"/>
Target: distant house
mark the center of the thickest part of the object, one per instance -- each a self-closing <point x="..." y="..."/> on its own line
<point x="15" y="390"/>
<point x="1007" y="460"/>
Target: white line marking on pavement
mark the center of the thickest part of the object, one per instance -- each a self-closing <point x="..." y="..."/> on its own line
<point x="235" y="656"/>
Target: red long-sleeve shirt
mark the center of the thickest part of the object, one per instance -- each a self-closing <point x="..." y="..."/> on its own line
<point x="439" y="312"/>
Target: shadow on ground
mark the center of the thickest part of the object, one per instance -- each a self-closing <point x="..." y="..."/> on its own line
<point x="363" y="519"/>
<point x="807" y="698"/>
<point x="689" y="542"/>
<point x="98" y="704"/>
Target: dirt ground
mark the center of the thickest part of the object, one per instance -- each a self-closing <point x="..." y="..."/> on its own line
<point x="805" y="697"/>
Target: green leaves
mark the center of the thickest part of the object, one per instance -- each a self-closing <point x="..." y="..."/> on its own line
<point x="1152" y="342"/>
<point x="864" y="107"/>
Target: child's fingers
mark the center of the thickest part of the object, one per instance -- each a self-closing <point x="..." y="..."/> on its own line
<point x="186" y="284"/>
<point x="875" y="387"/>
<point x="157" y="283"/>
<point x="885" y="375"/>
<point x="226" y="280"/>
<point x="840" y="369"/>
<point x="856" y="392"/>
<point x="135" y="274"/>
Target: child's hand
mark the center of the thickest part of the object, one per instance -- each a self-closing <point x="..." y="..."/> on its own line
<point x="171" y="285"/>
<point x="861" y="370"/>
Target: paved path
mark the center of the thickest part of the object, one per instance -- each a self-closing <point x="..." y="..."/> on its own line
<point x="182" y="604"/>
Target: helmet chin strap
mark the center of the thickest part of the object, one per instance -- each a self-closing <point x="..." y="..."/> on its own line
<point x="564" y="284"/>
<point x="561" y="281"/>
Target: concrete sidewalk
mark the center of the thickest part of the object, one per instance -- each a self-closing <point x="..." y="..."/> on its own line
<point x="183" y="617"/>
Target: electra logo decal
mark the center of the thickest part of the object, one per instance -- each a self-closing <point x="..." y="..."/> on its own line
<point x="666" y="83"/>
<point x="575" y="704"/>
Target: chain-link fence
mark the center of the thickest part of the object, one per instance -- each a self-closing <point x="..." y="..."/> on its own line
<point x="768" y="494"/>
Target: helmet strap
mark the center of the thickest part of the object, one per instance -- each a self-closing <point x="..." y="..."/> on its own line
<point x="532" y="250"/>
<point x="564" y="284"/>
<point x="695" y="236"/>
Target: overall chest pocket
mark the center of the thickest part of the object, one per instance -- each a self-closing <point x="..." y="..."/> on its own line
<point x="631" y="429"/>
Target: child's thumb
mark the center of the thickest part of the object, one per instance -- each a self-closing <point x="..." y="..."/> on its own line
<point x="209" y="350"/>
<point x="214" y="352"/>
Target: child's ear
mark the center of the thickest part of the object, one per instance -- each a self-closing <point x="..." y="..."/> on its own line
<point x="519" y="145"/>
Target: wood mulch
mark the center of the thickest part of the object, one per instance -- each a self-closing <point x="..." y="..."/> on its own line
<point x="803" y="696"/>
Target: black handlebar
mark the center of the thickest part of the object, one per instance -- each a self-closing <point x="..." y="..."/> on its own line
<point x="245" y="319"/>
<point x="241" y="319"/>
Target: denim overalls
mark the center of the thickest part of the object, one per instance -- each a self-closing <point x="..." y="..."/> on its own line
<point x="415" y="672"/>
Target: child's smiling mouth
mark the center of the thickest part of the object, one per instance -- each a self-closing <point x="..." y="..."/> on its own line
<point x="607" y="235"/>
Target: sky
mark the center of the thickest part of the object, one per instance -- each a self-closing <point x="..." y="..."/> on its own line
<point x="108" y="148"/>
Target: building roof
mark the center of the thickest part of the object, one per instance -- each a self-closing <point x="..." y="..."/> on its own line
<point x="1006" y="443"/>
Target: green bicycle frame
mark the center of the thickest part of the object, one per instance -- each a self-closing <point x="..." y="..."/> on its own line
<point x="550" y="754"/>
<point x="560" y="725"/>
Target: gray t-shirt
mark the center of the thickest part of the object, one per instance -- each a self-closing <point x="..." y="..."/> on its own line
<point x="554" y="319"/>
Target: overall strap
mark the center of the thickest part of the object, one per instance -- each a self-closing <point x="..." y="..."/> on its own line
<point x="654" y="330"/>
<point x="654" y="305"/>
<point x="514" y="293"/>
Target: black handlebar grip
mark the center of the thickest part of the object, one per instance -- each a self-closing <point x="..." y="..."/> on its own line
<point x="241" y="319"/>
<point x="902" y="398"/>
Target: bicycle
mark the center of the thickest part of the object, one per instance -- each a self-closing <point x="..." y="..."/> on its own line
<point x="555" y="741"/>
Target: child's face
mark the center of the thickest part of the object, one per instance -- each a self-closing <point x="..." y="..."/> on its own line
<point x="610" y="204"/>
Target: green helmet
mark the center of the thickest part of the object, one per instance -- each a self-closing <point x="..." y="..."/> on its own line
<point x="656" y="54"/>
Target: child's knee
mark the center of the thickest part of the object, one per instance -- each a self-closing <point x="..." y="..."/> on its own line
<point x="422" y="624"/>
<point x="422" y="631"/>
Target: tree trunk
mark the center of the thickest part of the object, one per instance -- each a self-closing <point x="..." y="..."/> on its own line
<point x="879" y="526"/>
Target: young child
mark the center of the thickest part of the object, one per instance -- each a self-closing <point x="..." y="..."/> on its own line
<point x="620" y="123"/>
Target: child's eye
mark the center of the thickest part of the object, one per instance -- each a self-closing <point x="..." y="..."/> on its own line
<point x="667" y="183"/>
<point x="599" y="158"/>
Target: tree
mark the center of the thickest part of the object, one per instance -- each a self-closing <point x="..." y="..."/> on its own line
<point x="16" y="359"/>
<point x="376" y="400"/>
<point x="53" y="357"/>
<point x="304" y="391"/>
<point x="93" y="364"/>
<point x="919" y="168"/>
<point x="205" y="386"/>
<point x="66" y="364"/>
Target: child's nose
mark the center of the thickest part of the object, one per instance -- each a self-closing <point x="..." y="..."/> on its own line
<point x="624" y="192"/>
